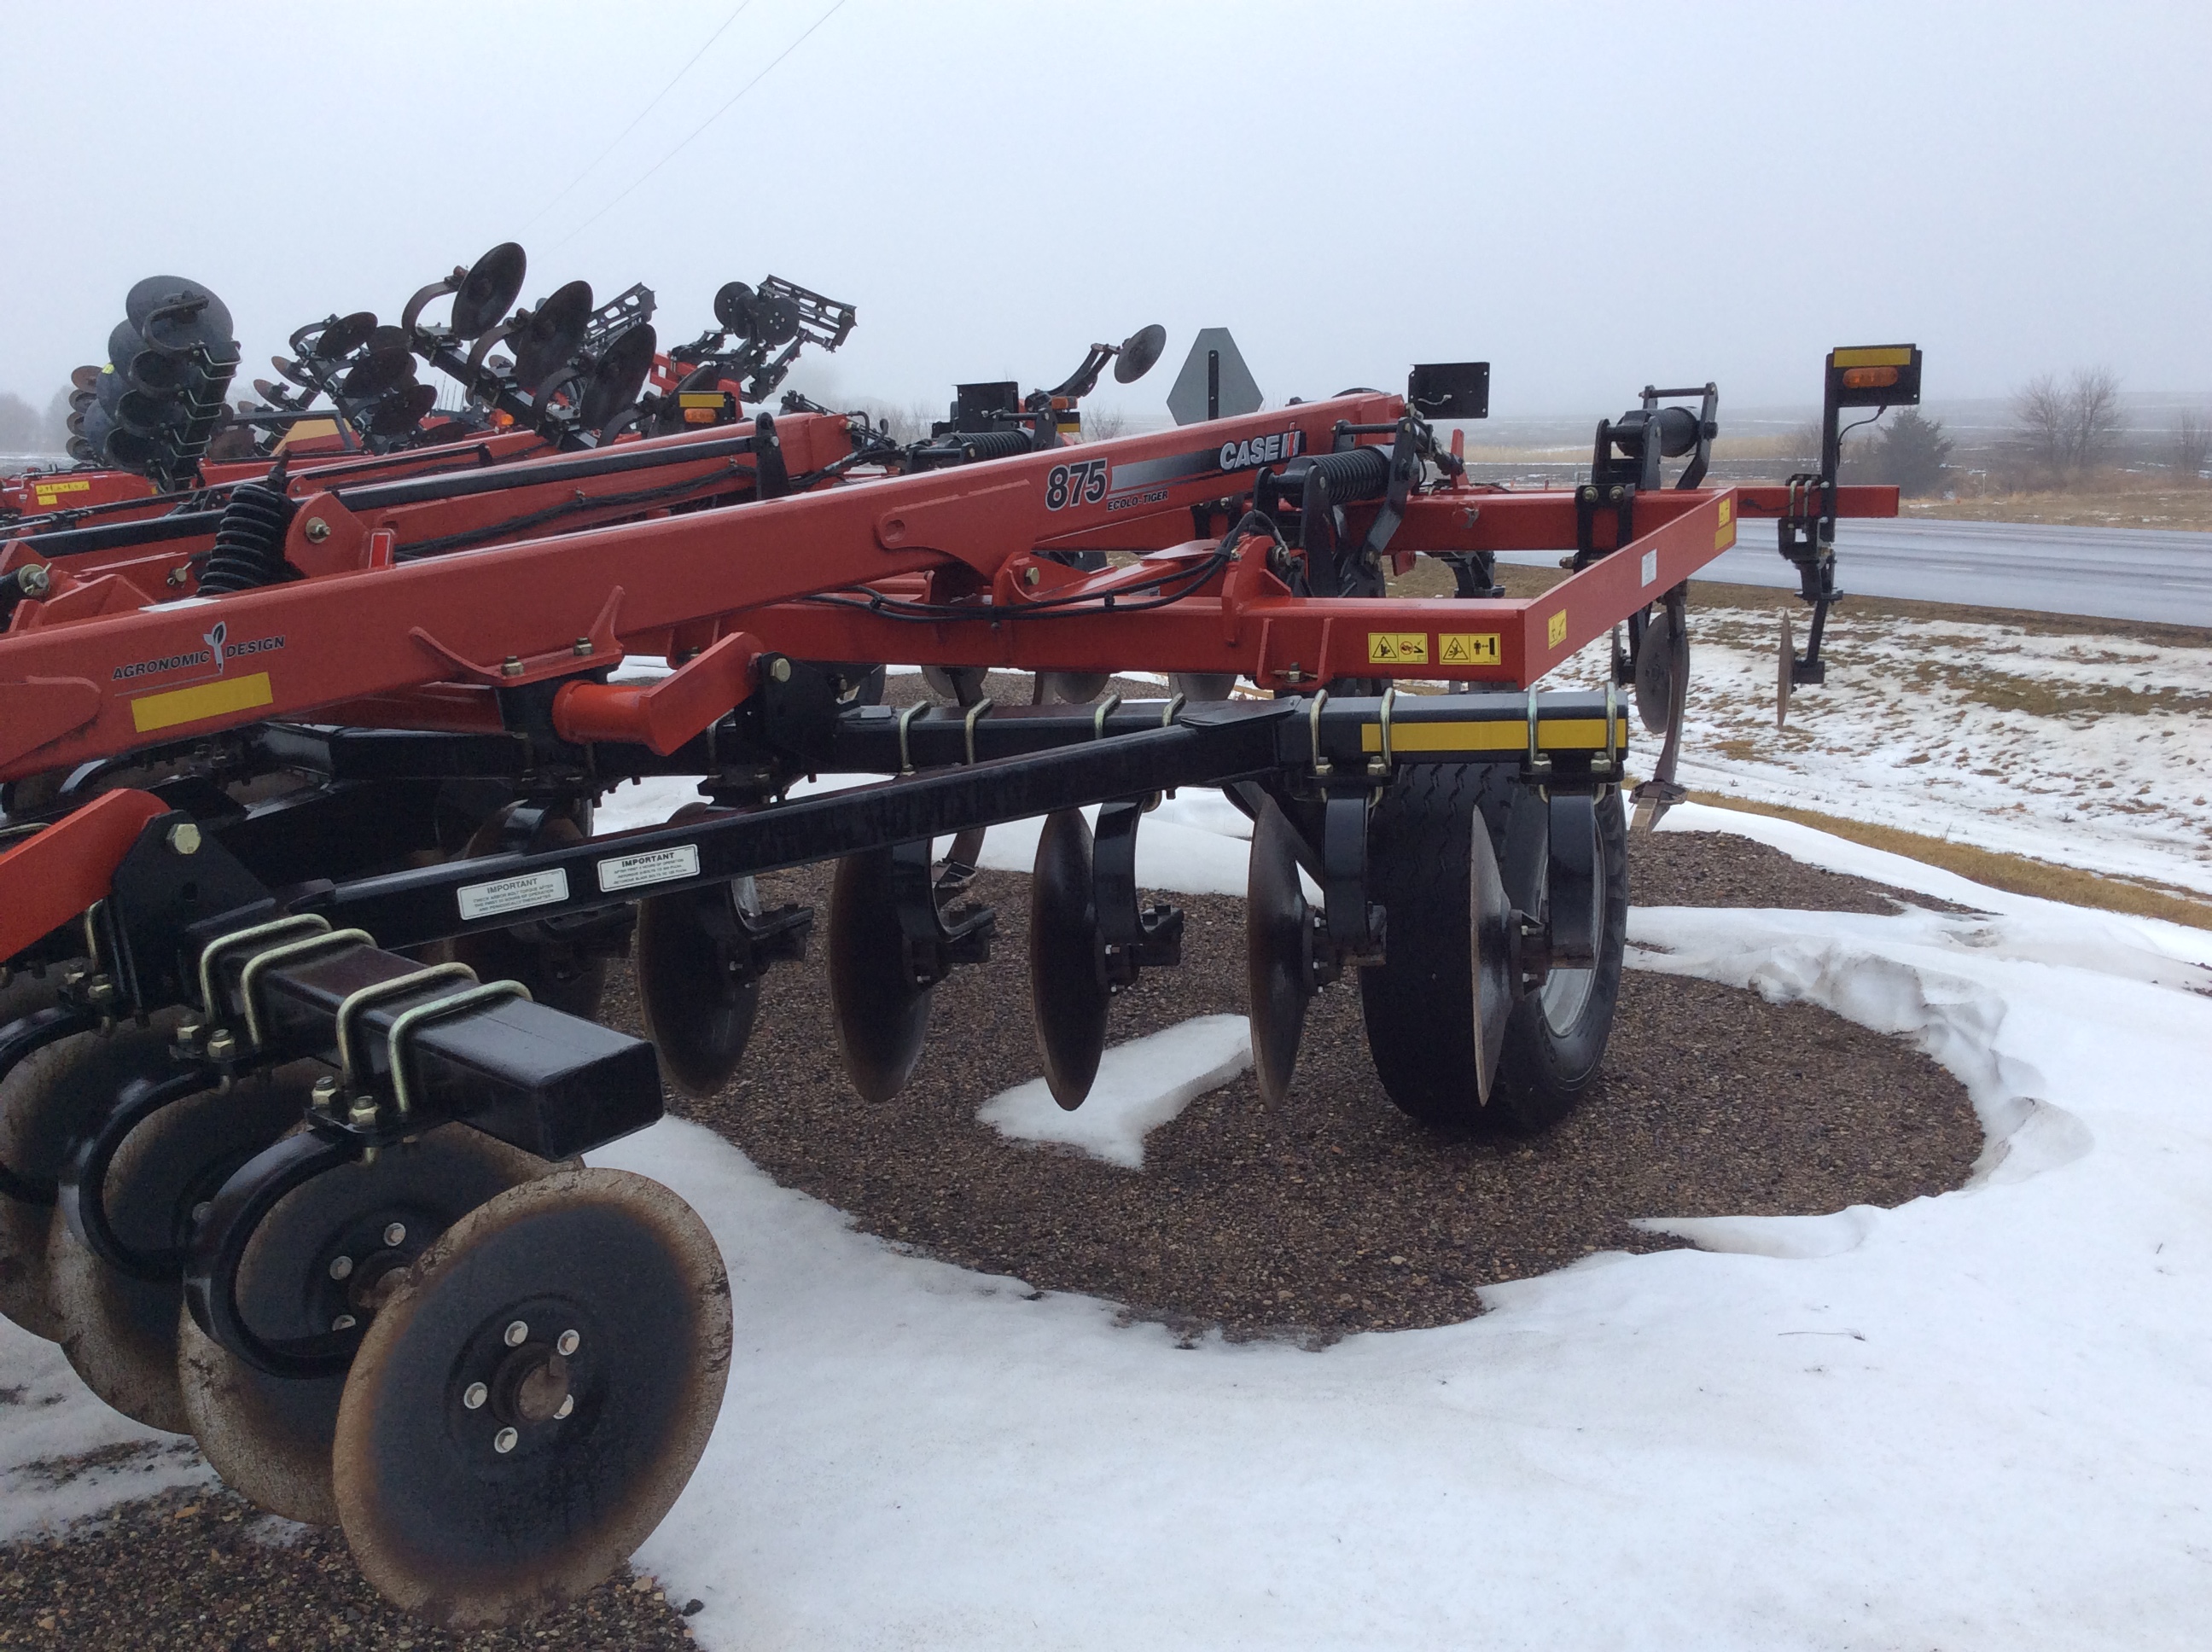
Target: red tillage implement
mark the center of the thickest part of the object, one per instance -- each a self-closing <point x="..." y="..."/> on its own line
<point x="314" y="843"/>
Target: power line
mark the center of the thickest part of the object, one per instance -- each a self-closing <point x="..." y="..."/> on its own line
<point x="640" y="115"/>
<point x="701" y="127"/>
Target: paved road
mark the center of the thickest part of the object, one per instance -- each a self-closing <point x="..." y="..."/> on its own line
<point x="2139" y="573"/>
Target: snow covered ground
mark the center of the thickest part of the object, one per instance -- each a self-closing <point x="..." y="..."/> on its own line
<point x="2092" y="751"/>
<point x="1974" y="1421"/>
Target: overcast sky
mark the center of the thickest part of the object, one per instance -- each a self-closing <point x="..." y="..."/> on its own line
<point x="1588" y="197"/>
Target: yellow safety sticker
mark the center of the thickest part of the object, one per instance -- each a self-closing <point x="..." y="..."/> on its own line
<point x="49" y="491"/>
<point x="1557" y="630"/>
<point x="1879" y="355"/>
<point x="1467" y="648"/>
<point x="1397" y="648"/>
<point x="1728" y="513"/>
<point x="152" y="711"/>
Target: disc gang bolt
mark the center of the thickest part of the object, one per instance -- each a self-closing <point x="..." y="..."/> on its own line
<point x="511" y="666"/>
<point x="341" y="1267"/>
<point x="781" y="670"/>
<point x="517" y="1334"/>
<point x="185" y="837"/>
<point x="583" y="647"/>
<point x="474" y="1396"/>
<point x="568" y="1342"/>
<point x="221" y="1046"/>
<point x="325" y="1092"/>
<point x="395" y="1234"/>
<point x="503" y="1441"/>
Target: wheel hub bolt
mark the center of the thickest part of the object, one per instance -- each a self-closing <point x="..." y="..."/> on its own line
<point x="343" y="1323"/>
<point x="517" y="1334"/>
<point x="474" y="1396"/>
<point x="395" y="1234"/>
<point x="341" y="1267"/>
<point x="568" y="1405"/>
<point x="568" y="1342"/>
<point x="503" y="1441"/>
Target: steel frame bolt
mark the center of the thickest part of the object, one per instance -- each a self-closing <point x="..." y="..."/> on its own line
<point x="517" y="1333"/>
<point x="221" y="1046"/>
<point x="341" y="1267"/>
<point x="395" y="1234"/>
<point x="780" y="669"/>
<point x="582" y="646"/>
<point x="511" y="666"/>
<point x="1031" y="575"/>
<point x="185" y="837"/>
<point x="317" y="530"/>
<point x="474" y="1396"/>
<point x="325" y="1091"/>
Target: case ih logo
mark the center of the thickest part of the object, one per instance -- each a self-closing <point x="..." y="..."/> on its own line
<point x="1261" y="450"/>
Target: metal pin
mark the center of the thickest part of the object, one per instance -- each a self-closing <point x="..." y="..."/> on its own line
<point x="341" y="1267"/>
<point x="517" y="1334"/>
<point x="474" y="1396"/>
<point x="395" y="1234"/>
<point x="503" y="1441"/>
<point x="568" y="1342"/>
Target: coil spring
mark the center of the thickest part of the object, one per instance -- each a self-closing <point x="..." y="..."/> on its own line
<point x="249" y="541"/>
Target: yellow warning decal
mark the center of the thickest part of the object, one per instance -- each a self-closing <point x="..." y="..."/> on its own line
<point x="1727" y="513"/>
<point x="203" y="700"/>
<point x="1557" y="628"/>
<point x="1397" y="648"/>
<point x="1881" y="356"/>
<point x="1552" y="734"/>
<point x="49" y="491"/>
<point x="1467" y="648"/>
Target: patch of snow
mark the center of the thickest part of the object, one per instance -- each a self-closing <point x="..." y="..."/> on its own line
<point x="1141" y="1085"/>
<point x="48" y="1416"/>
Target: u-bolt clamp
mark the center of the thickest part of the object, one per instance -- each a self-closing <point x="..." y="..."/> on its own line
<point x="1174" y="709"/>
<point x="1098" y="718"/>
<point x="353" y="1074"/>
<point x="304" y="923"/>
<point x="906" y="759"/>
<point x="1321" y="766"/>
<point x="1604" y="763"/>
<point x="980" y="710"/>
<point x="407" y="1021"/>
<point x="250" y="977"/>
<point x="1378" y="767"/>
<point x="1539" y="766"/>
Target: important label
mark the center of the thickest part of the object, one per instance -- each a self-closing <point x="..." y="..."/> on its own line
<point x="1650" y="567"/>
<point x="1555" y="629"/>
<point x="534" y="889"/>
<point x="1397" y="648"/>
<point x="653" y="866"/>
<point x="1467" y="648"/>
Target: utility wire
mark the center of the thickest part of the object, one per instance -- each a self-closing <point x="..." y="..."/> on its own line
<point x="640" y="115"/>
<point x="701" y="127"/>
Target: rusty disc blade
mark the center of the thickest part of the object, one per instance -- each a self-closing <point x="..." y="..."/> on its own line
<point x="1068" y="997"/>
<point x="881" y="1017"/>
<point x="120" y="1332"/>
<point x="532" y="1397"/>
<point x="1490" y="917"/>
<point x="44" y="1102"/>
<point x="1655" y="665"/>
<point x="1782" y="683"/>
<point x="699" y="1004"/>
<point x="269" y="1437"/>
<point x="1278" y="952"/>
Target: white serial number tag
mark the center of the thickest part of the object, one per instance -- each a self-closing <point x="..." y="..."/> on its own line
<point x="1650" y="565"/>
<point x="654" y="866"/>
<point x="535" y="889"/>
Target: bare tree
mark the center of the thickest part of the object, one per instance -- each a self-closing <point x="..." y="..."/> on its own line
<point x="2190" y="447"/>
<point x="1104" y="423"/>
<point x="2039" y="427"/>
<point x="2094" y="420"/>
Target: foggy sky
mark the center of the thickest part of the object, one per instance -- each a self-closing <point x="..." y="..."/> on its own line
<point x="1589" y="197"/>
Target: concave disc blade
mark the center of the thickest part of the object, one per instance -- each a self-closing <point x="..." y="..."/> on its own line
<point x="84" y="377"/>
<point x="45" y="1099"/>
<point x="733" y="308"/>
<point x="1278" y="952"/>
<point x="1068" y="996"/>
<point x="443" y="1522"/>
<point x="402" y="411"/>
<point x="882" y="1019"/>
<point x="150" y="306"/>
<point x="488" y="292"/>
<point x="343" y="337"/>
<point x="269" y="1437"/>
<point x="554" y="332"/>
<point x="1490" y="917"/>
<point x="617" y="377"/>
<point x="699" y="1009"/>
<point x="120" y="1332"/>
<point x="1782" y="684"/>
<point x="572" y="984"/>
<point x="293" y="371"/>
<point x="775" y="318"/>
<point x="1071" y="688"/>
<point x="1140" y="350"/>
<point x="378" y="373"/>
<point x="1655" y="667"/>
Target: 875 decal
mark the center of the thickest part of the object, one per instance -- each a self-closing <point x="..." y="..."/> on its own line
<point x="1083" y="482"/>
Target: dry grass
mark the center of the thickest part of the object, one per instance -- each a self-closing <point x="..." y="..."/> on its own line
<point x="2016" y="874"/>
<point x="2117" y="504"/>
